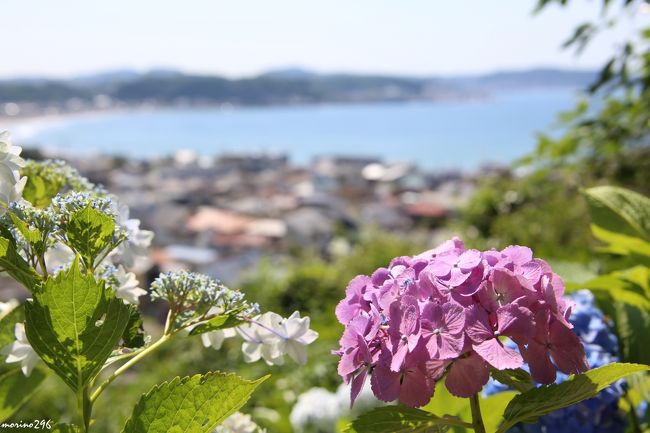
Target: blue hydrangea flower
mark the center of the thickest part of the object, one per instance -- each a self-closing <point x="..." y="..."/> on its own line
<point x="600" y="414"/>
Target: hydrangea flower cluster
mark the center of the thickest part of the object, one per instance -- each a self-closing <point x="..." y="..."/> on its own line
<point x="195" y="298"/>
<point x="269" y="336"/>
<point x="449" y="312"/>
<point x="11" y="184"/>
<point x="64" y="205"/>
<point x="600" y="414"/>
<point x="125" y="284"/>
<point x="239" y="423"/>
<point x="319" y="410"/>
<point x="191" y="291"/>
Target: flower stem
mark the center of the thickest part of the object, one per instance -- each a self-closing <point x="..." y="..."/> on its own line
<point x="477" y="419"/>
<point x="128" y="365"/>
<point x="85" y="408"/>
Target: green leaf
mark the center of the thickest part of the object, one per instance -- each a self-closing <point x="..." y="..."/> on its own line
<point x="620" y="244"/>
<point x="216" y="323"/>
<point x="400" y="419"/>
<point x="40" y="192"/>
<point x="8" y="324"/>
<point x="620" y="210"/>
<point x="74" y="323"/>
<point x="632" y="323"/>
<point x="31" y="235"/>
<point x="537" y="402"/>
<point x="89" y="232"/>
<point x="14" y="264"/>
<point x="617" y="288"/>
<point x="7" y="335"/>
<point x="133" y="336"/>
<point x="16" y="389"/>
<point x="518" y="379"/>
<point x="193" y="404"/>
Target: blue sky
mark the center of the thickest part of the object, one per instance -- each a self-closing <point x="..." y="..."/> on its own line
<point x="244" y="37"/>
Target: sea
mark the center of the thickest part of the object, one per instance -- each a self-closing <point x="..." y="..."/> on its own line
<point x="441" y="135"/>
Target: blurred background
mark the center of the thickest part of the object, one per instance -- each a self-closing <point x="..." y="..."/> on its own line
<point x="287" y="146"/>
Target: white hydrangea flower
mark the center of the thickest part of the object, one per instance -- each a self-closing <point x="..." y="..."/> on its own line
<point x="271" y="336"/>
<point x="21" y="351"/>
<point x="7" y="307"/>
<point x="259" y="343"/>
<point x="216" y="338"/>
<point x="11" y="184"/>
<point x="316" y="410"/>
<point x="239" y="423"/>
<point x="137" y="242"/>
<point x="10" y="160"/>
<point x="128" y="286"/>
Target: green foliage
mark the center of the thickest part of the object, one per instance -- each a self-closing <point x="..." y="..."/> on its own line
<point x="89" y="233"/>
<point x="15" y="265"/>
<point x="631" y="324"/>
<point x="529" y="210"/>
<point x="38" y="190"/>
<point x="621" y="219"/>
<point x="45" y="179"/>
<point x="8" y="323"/>
<point x="218" y="322"/>
<point x="517" y="379"/>
<point x="74" y="323"/>
<point x="532" y="404"/>
<point x="133" y="336"/>
<point x="400" y="419"/>
<point x="620" y="211"/>
<point x="195" y="404"/>
<point x="16" y="390"/>
<point x="7" y="329"/>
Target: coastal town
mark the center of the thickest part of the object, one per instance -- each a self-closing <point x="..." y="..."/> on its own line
<point x="221" y="215"/>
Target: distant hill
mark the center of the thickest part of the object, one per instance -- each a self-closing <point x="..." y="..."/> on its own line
<point x="292" y="73"/>
<point x="281" y="86"/>
<point x="541" y="77"/>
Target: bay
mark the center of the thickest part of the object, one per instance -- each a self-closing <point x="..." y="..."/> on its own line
<point x="435" y="135"/>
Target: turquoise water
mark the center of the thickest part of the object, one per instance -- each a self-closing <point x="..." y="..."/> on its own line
<point x="440" y="135"/>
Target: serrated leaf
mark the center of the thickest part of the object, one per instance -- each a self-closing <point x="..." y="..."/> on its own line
<point x="16" y="389"/>
<point x="195" y="404"/>
<point x="620" y="210"/>
<point x="541" y="401"/>
<point x="216" y="323"/>
<point x="89" y="232"/>
<point x="400" y="419"/>
<point x="518" y="378"/>
<point x="14" y="264"/>
<point x="74" y="323"/>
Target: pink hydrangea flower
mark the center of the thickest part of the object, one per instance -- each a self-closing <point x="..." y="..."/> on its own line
<point x="445" y="314"/>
